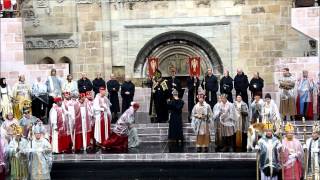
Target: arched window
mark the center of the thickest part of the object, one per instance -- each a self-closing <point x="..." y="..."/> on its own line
<point x="67" y="60"/>
<point x="46" y="60"/>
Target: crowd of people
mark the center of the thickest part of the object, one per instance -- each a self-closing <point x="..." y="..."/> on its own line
<point x="58" y="116"/>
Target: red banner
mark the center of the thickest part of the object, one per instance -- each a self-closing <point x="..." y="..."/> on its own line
<point x="153" y="65"/>
<point x="6" y="4"/>
<point x="194" y="66"/>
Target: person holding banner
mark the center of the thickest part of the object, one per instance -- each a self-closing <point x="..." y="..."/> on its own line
<point x="193" y="83"/>
<point x="210" y="83"/>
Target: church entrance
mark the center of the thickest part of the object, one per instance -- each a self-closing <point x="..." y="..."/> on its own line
<point x="173" y="50"/>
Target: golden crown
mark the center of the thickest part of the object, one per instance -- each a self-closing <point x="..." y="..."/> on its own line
<point x="289" y="127"/>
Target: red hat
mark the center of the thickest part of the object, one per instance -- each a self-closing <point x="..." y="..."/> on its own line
<point x="135" y="105"/>
<point x="82" y="95"/>
<point x="102" y="89"/>
<point x="57" y="99"/>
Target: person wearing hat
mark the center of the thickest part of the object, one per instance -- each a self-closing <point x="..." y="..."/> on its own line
<point x="83" y="123"/>
<point x="175" y="106"/>
<point x="60" y="136"/>
<point x="123" y="135"/>
<point x="292" y="155"/>
<point x="127" y="93"/>
<point x="269" y="148"/>
<point x="211" y="86"/>
<point x="102" y="116"/>
<point x="17" y="153"/>
<point x="160" y="94"/>
<point x="113" y="87"/>
<point x="312" y="147"/>
<point x="21" y="91"/>
<point x="270" y="112"/>
<point x="26" y="122"/>
<point x="40" y="155"/>
<point x="202" y="122"/>
<point x="225" y="114"/>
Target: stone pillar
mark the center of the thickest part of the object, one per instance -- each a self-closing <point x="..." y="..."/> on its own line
<point x="106" y="38"/>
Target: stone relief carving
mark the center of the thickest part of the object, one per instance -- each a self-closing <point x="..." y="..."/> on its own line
<point x="29" y="15"/>
<point x="42" y="3"/>
<point x="203" y="3"/>
<point x="41" y="43"/>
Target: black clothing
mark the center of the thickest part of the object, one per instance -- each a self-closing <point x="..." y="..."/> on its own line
<point x="40" y="106"/>
<point x="97" y="83"/>
<point x="113" y="87"/>
<point x="241" y="85"/>
<point x="211" y="88"/>
<point x="175" y="122"/>
<point x="256" y="86"/>
<point x="175" y="83"/>
<point x="84" y="85"/>
<point x="226" y="86"/>
<point x="193" y="84"/>
<point x="160" y="93"/>
<point x="127" y="86"/>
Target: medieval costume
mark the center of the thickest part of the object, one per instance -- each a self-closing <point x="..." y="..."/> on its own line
<point x="97" y="83"/>
<point x="5" y="98"/>
<point x="192" y="84"/>
<point x="26" y="122"/>
<point x="82" y="124"/>
<point x="17" y="153"/>
<point x="318" y="96"/>
<point x="201" y="123"/>
<point x="7" y="127"/>
<point x="227" y="122"/>
<point x="21" y="95"/>
<point x="70" y="85"/>
<point x="124" y="135"/>
<point x="60" y="138"/>
<point x="270" y="112"/>
<point x="40" y="156"/>
<point x="211" y="87"/>
<point x="242" y="123"/>
<point x="84" y="84"/>
<point x="175" y="122"/>
<point x="256" y="85"/>
<point x="102" y="116"/>
<point x="69" y="108"/>
<point x="226" y="86"/>
<point x="305" y="97"/>
<point x="255" y="113"/>
<point x="217" y="126"/>
<point x="159" y="95"/>
<point x="241" y="85"/>
<point x="40" y="99"/>
<point x="269" y="148"/>
<point x="54" y="84"/>
<point x="292" y="155"/>
<point x="113" y="87"/>
<point x="127" y="94"/>
<point x="312" y="148"/>
<point x="287" y="99"/>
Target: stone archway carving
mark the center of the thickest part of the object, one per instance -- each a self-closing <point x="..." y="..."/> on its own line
<point x="66" y="60"/>
<point x="46" y="60"/>
<point x="178" y="45"/>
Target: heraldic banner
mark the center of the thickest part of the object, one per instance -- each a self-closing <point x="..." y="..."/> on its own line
<point x="194" y="66"/>
<point x="153" y="65"/>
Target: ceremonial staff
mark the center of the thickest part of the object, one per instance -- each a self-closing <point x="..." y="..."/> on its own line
<point x="257" y="165"/>
<point x="305" y="150"/>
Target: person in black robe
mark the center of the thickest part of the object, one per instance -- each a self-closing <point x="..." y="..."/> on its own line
<point x="113" y="87"/>
<point x="256" y="85"/>
<point x="175" y="123"/>
<point x="160" y="94"/>
<point x="97" y="83"/>
<point x="84" y="84"/>
<point x="241" y="85"/>
<point x="211" y="86"/>
<point x="193" y="84"/>
<point x="127" y="93"/>
<point x="226" y="86"/>
<point x="175" y="83"/>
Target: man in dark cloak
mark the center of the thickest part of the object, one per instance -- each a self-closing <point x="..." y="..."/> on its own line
<point x="160" y="94"/>
<point x="113" y="87"/>
<point x="84" y="84"/>
<point x="256" y="85"/>
<point x="127" y="93"/>
<point x="241" y="85"/>
<point x="193" y="83"/>
<point x="226" y="85"/>
<point x="97" y="83"/>
<point x="174" y="83"/>
<point x="211" y="86"/>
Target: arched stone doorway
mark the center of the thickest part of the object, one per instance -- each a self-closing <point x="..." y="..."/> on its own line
<point x="46" y="60"/>
<point x="173" y="49"/>
<point x="66" y="60"/>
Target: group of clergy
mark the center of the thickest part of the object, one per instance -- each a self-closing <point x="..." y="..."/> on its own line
<point x="39" y="96"/>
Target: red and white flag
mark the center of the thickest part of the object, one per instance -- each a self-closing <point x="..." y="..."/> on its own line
<point x="153" y="65"/>
<point x="194" y="66"/>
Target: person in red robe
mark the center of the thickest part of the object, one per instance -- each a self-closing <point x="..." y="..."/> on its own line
<point x="60" y="139"/>
<point x="89" y="100"/>
<point x="102" y="116"/>
<point x="292" y="155"/>
<point x="82" y="124"/>
<point x="123" y="130"/>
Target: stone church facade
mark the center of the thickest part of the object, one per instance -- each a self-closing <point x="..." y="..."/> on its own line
<point x="116" y="36"/>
